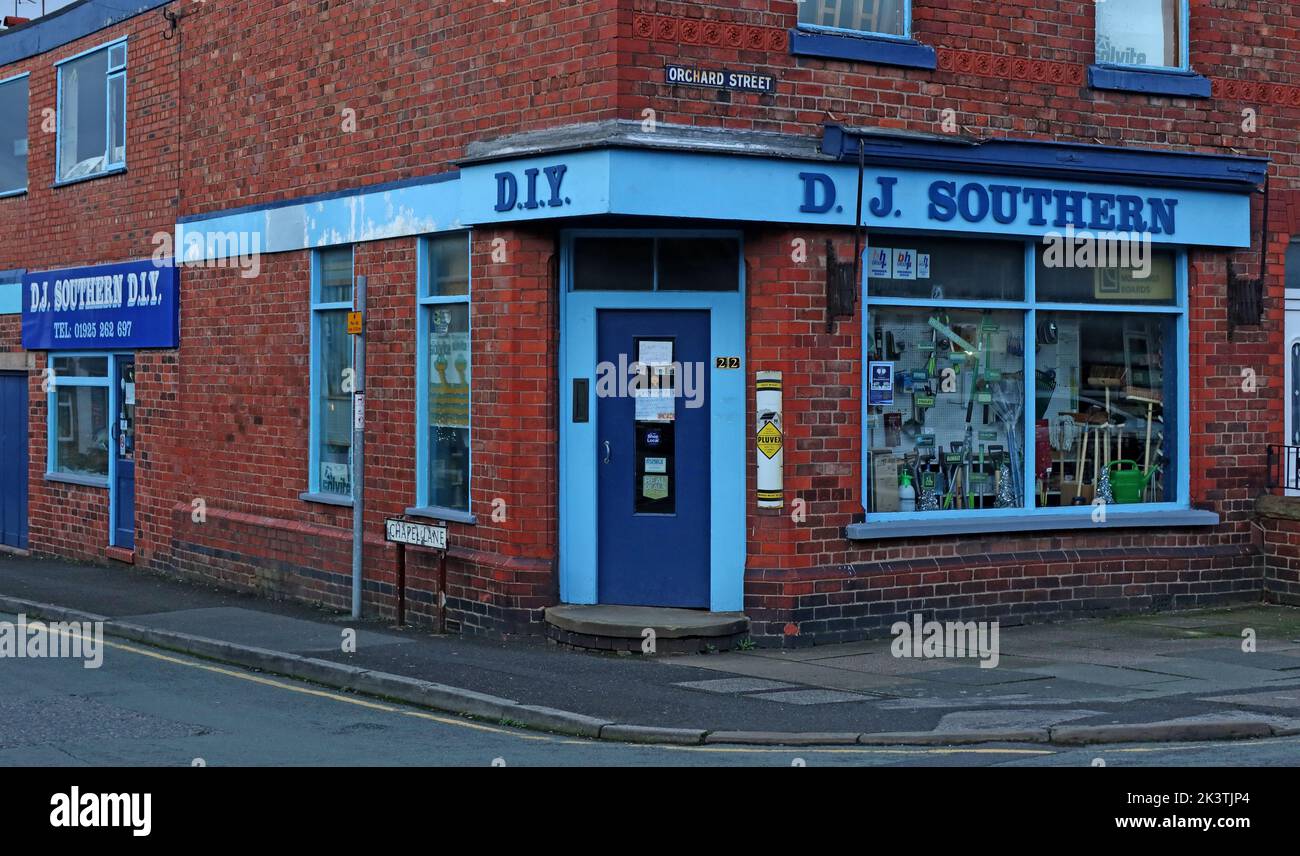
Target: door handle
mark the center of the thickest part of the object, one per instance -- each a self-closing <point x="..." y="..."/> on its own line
<point x="606" y="461"/>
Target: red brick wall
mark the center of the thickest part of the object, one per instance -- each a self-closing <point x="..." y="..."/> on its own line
<point x="1279" y="538"/>
<point x="244" y="427"/>
<point x="266" y="83"/>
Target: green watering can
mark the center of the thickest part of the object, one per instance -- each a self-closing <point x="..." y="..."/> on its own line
<point x="1127" y="481"/>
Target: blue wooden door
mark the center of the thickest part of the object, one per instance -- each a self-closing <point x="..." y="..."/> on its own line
<point x="123" y="497"/>
<point x="652" y="465"/>
<point x="13" y="460"/>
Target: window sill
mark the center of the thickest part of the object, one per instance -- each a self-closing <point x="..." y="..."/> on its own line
<point x="979" y="524"/>
<point x="117" y="170"/>
<point x="11" y="194"/>
<point x="449" y="514"/>
<point x="326" y="499"/>
<point x="865" y="48"/>
<point x="1183" y="84"/>
<point x="84" y="481"/>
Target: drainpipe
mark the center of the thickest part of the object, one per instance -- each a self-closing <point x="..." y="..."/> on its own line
<point x="358" y="443"/>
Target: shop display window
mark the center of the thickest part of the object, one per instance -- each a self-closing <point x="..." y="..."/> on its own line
<point x="447" y="359"/>
<point x="332" y="383"/>
<point x="1103" y="408"/>
<point x="79" y="433"/>
<point x="946" y="417"/>
<point x="446" y="365"/>
<point x="993" y="384"/>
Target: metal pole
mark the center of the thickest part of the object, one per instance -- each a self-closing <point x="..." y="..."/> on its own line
<point x="358" y="443"/>
<point x="401" y="584"/>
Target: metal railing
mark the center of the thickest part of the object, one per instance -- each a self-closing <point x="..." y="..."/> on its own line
<point x="1284" y="467"/>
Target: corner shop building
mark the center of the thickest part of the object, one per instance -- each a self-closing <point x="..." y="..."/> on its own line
<point x="505" y="296"/>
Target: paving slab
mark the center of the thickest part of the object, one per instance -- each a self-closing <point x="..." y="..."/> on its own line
<point x="1106" y="676"/>
<point x="803" y="697"/>
<point x="808" y="674"/>
<point x="1255" y="660"/>
<point x="734" y="685"/>
<point x="1211" y="670"/>
<point x="990" y="720"/>
<point x="262" y="630"/>
<point x="975" y="676"/>
<point x="1285" y="699"/>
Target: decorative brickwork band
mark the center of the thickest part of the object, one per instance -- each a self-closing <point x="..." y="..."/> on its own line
<point x="1010" y="67"/>
<point x="694" y="31"/>
<point x="1250" y="91"/>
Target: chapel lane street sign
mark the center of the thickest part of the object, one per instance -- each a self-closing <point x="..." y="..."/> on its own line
<point x="416" y="534"/>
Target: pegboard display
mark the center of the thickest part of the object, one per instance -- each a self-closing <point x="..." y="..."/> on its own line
<point x="945" y="408"/>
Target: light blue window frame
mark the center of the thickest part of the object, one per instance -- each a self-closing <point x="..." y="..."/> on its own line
<point x="987" y="519"/>
<point x="18" y="191"/>
<point x="424" y="300"/>
<point x="1184" y="44"/>
<point x="58" y="382"/>
<point x="905" y="36"/>
<point x="113" y="72"/>
<point x="314" y="492"/>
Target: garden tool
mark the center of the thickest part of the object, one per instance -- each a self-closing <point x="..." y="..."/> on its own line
<point x="1151" y="397"/>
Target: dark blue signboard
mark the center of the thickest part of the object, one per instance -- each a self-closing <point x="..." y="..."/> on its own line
<point x="106" y="307"/>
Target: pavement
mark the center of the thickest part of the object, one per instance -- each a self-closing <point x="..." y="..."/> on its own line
<point x="1157" y="677"/>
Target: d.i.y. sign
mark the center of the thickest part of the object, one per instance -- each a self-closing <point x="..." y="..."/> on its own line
<point x="508" y="189"/>
<point x="976" y="201"/>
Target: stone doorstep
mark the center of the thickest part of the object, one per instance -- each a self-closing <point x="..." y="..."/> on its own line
<point x="630" y="622"/>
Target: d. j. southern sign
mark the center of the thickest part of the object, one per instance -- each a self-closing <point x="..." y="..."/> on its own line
<point x="127" y="306"/>
<point x="1005" y="203"/>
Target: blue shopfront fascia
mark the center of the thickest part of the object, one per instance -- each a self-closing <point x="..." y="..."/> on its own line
<point x="578" y="511"/>
<point x="1027" y="517"/>
<point x="725" y="188"/>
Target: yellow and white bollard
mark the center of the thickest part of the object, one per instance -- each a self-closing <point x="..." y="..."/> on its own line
<point x="770" y="439"/>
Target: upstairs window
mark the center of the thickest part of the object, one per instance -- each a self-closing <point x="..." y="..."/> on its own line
<point x="1142" y="33"/>
<point x="13" y="135"/>
<point x="877" y="17"/>
<point x="92" y="113"/>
